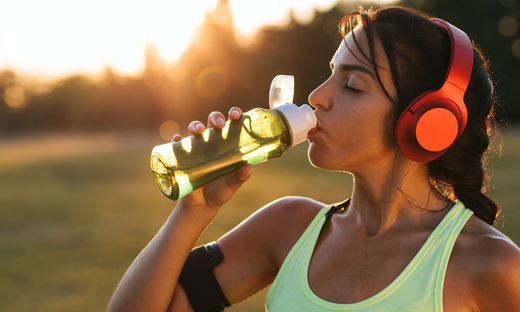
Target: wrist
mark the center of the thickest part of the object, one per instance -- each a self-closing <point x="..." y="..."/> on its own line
<point x="196" y="215"/>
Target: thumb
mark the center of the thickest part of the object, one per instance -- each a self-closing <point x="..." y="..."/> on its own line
<point x="218" y="193"/>
<point x="240" y="177"/>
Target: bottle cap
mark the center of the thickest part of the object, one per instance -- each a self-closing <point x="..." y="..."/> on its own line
<point x="282" y="91"/>
<point x="301" y="120"/>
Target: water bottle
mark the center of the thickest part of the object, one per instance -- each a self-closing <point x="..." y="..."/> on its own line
<point x="260" y="134"/>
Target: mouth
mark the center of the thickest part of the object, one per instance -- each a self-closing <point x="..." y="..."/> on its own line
<point x="311" y="132"/>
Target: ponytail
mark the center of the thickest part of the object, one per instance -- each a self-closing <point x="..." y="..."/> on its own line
<point x="460" y="173"/>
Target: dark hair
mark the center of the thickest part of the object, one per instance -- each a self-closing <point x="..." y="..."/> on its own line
<point x="418" y="53"/>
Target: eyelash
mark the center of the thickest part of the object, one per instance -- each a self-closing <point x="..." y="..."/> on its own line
<point x="350" y="89"/>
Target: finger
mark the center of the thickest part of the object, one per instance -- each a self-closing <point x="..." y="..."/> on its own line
<point x="176" y="138"/>
<point x="196" y="127"/>
<point x="234" y="113"/>
<point x="244" y="173"/>
<point x="216" y="119"/>
<point x="240" y="177"/>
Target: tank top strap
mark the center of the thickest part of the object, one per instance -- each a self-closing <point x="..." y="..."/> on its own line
<point x="459" y="219"/>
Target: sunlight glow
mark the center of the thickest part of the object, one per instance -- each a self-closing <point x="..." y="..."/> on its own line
<point x="168" y="129"/>
<point x="248" y="16"/>
<point x="58" y="37"/>
<point x="183" y="179"/>
<point x="55" y="38"/>
<point x="14" y="97"/>
<point x="225" y="130"/>
<point x="205" y="135"/>
<point x="259" y="155"/>
<point x="248" y="148"/>
<point x="212" y="81"/>
<point x="186" y="144"/>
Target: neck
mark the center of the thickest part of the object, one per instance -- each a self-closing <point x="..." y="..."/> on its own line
<point x="398" y="196"/>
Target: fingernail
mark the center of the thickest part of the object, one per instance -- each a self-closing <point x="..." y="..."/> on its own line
<point x="248" y="172"/>
<point x="199" y="127"/>
<point x="220" y="121"/>
<point x="234" y="113"/>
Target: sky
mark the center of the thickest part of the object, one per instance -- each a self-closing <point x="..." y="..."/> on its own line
<point x="56" y="38"/>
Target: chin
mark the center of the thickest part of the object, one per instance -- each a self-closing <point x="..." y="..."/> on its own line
<point x="312" y="154"/>
<point x="318" y="158"/>
<point x="325" y="159"/>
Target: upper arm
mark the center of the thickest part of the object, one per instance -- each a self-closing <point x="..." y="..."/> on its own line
<point x="255" y="249"/>
<point x="497" y="286"/>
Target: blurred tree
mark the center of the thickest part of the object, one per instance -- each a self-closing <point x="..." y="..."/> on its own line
<point x="300" y="50"/>
<point x="7" y="79"/>
<point x="216" y="72"/>
<point x="493" y="25"/>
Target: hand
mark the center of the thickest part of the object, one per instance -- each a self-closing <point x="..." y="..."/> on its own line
<point x="217" y="192"/>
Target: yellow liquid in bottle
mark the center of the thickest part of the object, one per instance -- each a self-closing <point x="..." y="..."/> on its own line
<point x="181" y="167"/>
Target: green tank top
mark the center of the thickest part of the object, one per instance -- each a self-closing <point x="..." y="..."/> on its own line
<point x="417" y="288"/>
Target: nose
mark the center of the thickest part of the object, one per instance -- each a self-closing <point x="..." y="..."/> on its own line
<point x="320" y="98"/>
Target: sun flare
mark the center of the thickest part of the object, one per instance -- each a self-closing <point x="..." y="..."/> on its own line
<point x="56" y="38"/>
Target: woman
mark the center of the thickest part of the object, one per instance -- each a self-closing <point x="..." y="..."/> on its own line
<point x="405" y="241"/>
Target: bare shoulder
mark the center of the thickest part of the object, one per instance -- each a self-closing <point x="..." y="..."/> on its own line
<point x="490" y="263"/>
<point x="255" y="250"/>
<point x="295" y="211"/>
<point x="290" y="217"/>
<point x="277" y="226"/>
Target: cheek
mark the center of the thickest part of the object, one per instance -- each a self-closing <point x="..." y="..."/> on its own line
<point x="378" y="124"/>
<point x="390" y="122"/>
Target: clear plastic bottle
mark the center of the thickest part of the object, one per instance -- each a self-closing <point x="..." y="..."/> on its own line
<point x="260" y="134"/>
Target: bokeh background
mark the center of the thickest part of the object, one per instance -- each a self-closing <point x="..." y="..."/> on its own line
<point x="88" y="88"/>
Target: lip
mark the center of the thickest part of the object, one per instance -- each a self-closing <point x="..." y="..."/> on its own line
<point x="312" y="132"/>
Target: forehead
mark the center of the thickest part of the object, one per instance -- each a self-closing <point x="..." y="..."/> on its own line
<point x="356" y="54"/>
<point x="356" y="51"/>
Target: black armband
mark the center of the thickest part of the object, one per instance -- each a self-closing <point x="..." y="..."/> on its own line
<point x="199" y="281"/>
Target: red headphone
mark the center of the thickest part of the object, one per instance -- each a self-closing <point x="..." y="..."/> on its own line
<point x="434" y="120"/>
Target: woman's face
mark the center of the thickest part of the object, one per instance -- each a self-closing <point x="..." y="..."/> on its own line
<point x="355" y="128"/>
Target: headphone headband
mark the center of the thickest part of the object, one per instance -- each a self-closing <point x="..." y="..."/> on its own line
<point x="461" y="48"/>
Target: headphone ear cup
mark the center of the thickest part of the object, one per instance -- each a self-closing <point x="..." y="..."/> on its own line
<point x="436" y="129"/>
<point x="425" y="134"/>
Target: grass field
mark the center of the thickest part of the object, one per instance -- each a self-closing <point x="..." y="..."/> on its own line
<point x="77" y="209"/>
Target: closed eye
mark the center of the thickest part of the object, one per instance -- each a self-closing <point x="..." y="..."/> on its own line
<point x="352" y="90"/>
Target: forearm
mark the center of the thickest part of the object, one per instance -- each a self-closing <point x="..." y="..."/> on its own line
<point x="149" y="283"/>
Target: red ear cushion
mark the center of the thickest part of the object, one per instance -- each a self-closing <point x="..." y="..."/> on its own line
<point x="436" y="129"/>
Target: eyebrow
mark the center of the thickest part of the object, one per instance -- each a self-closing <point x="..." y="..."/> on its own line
<point x="351" y="67"/>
